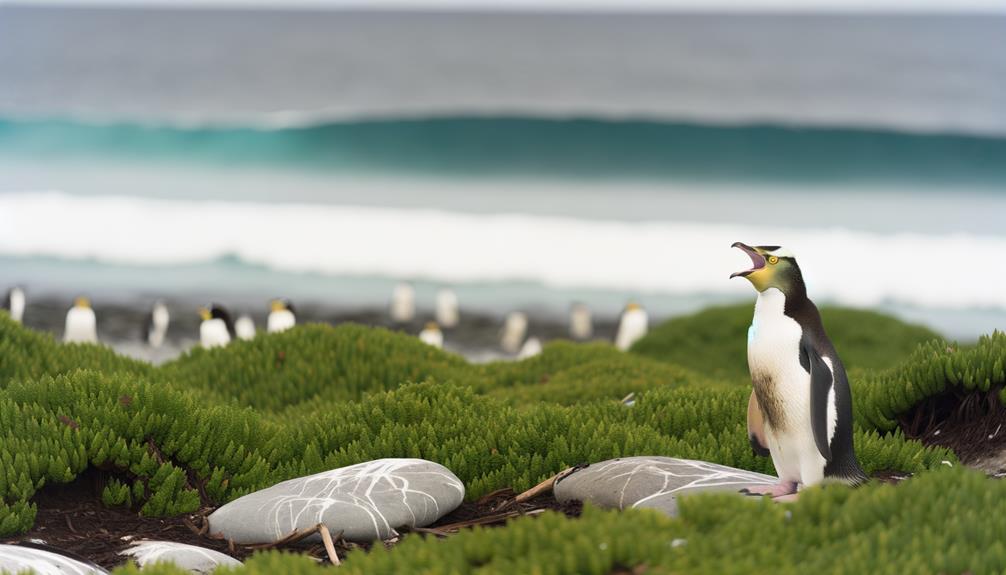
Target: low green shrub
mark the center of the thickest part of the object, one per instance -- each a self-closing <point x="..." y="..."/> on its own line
<point x="933" y="369"/>
<point x="28" y="354"/>
<point x="314" y="363"/>
<point x="714" y="341"/>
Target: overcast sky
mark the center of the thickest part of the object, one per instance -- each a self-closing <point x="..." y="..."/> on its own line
<point x="856" y="5"/>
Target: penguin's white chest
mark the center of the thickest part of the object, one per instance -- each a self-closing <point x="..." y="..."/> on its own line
<point x="433" y="337"/>
<point x="631" y="328"/>
<point x="213" y="333"/>
<point x="81" y="326"/>
<point x="17" y="305"/>
<point x="783" y="389"/>
<point x="280" y="320"/>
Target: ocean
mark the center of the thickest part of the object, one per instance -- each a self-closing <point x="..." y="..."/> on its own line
<point x="526" y="159"/>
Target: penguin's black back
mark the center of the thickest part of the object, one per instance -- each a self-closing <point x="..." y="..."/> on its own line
<point x="843" y="464"/>
<point x="218" y="311"/>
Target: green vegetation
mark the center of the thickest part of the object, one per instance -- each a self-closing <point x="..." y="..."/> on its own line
<point x="714" y="341"/>
<point x="217" y="424"/>
<point x="946" y="521"/>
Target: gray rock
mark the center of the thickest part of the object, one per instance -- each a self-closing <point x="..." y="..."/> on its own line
<point x="188" y="557"/>
<point x="18" y="559"/>
<point x="367" y="501"/>
<point x="652" y="482"/>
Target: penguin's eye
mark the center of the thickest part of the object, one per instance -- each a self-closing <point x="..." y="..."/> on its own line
<point x="773" y="260"/>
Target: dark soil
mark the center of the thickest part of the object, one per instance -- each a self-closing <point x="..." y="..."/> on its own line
<point x="72" y="518"/>
<point x="972" y="424"/>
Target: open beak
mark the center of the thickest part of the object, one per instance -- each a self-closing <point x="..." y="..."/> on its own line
<point x="757" y="260"/>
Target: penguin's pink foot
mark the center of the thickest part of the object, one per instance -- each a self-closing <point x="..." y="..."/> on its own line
<point x="778" y="490"/>
<point x="786" y="498"/>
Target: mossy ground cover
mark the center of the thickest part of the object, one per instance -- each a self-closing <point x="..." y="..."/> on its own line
<point x="214" y="425"/>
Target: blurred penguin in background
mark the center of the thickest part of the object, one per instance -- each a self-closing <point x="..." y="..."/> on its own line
<point x="632" y="327"/>
<point x="447" y="308"/>
<point x="431" y="335"/>
<point x="15" y="303"/>
<point x="514" y="331"/>
<point x="281" y="316"/>
<point x="81" y="323"/>
<point x="216" y="329"/>
<point x="244" y="327"/>
<point x="155" y="328"/>
<point x="581" y="322"/>
<point x="531" y="348"/>
<point x="403" y="303"/>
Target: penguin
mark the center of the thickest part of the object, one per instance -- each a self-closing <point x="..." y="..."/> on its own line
<point x="81" y="323"/>
<point x="513" y="332"/>
<point x="155" y="327"/>
<point x="581" y="323"/>
<point x="431" y="335"/>
<point x="800" y="409"/>
<point x="282" y="316"/>
<point x="216" y="329"/>
<point x="632" y="327"/>
<point x="403" y="303"/>
<point x="15" y="303"/>
<point x="447" y="308"/>
<point x="531" y="348"/>
<point x="244" y="327"/>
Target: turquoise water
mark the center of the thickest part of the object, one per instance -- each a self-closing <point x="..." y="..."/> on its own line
<point x="539" y="147"/>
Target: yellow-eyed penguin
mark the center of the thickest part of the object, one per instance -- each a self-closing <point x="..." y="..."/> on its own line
<point x="800" y="411"/>
<point x="581" y="323"/>
<point x="632" y="327"/>
<point x="403" y="303"/>
<point x="431" y="335"/>
<point x="15" y="303"/>
<point x="281" y="316"/>
<point x="81" y="323"/>
<point x="216" y="329"/>
<point x="244" y="327"/>
<point x="447" y="308"/>
<point x="514" y="331"/>
<point x="155" y="327"/>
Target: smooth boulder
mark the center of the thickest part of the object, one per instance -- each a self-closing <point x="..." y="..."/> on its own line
<point x="37" y="559"/>
<point x="366" y="502"/>
<point x="652" y="482"/>
<point x="189" y="557"/>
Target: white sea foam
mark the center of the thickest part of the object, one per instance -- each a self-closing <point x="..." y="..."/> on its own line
<point x="852" y="267"/>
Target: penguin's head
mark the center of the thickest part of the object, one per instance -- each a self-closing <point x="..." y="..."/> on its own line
<point x="82" y="302"/>
<point x="281" y="304"/>
<point x="771" y="267"/>
<point x="214" y="311"/>
<point x="633" y="306"/>
<point x="432" y="326"/>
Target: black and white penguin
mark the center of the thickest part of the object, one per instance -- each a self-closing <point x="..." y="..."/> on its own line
<point x="282" y="316"/>
<point x="800" y="411"/>
<point x="447" y="308"/>
<point x="581" y="322"/>
<point x="81" y="323"/>
<point x="632" y="326"/>
<point x="155" y="327"/>
<point x="431" y="335"/>
<point x="14" y="303"/>
<point x="244" y="327"/>
<point x="216" y="329"/>
<point x="403" y="303"/>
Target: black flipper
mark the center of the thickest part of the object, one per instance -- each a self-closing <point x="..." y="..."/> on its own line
<point x="756" y="428"/>
<point x="821" y="382"/>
